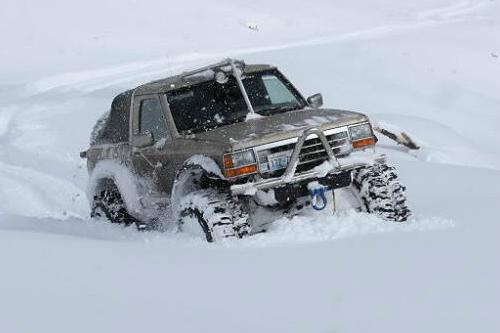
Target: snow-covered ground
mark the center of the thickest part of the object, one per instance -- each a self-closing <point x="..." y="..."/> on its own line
<point x="431" y="68"/>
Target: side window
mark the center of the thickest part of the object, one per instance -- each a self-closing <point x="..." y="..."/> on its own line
<point x="152" y="119"/>
<point x="277" y="91"/>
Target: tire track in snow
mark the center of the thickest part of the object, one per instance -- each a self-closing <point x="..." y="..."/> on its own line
<point x="31" y="193"/>
<point x="89" y="81"/>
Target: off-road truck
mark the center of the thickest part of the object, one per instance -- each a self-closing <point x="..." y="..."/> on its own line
<point x="222" y="149"/>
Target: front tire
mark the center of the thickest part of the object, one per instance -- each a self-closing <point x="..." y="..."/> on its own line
<point x="213" y="215"/>
<point x="381" y="193"/>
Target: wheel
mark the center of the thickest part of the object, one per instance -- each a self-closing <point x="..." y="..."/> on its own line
<point x="212" y="215"/>
<point x="381" y="193"/>
<point x="204" y="208"/>
<point x="109" y="204"/>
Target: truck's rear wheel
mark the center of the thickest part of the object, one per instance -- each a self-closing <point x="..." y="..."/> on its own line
<point x="109" y="204"/>
<point x="213" y="215"/>
<point x="381" y="193"/>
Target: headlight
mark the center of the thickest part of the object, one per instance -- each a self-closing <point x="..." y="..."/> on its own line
<point x="240" y="163"/>
<point x="239" y="159"/>
<point x="362" y="135"/>
<point x="360" y="131"/>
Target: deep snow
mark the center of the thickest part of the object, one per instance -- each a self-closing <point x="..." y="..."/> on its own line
<point x="431" y="68"/>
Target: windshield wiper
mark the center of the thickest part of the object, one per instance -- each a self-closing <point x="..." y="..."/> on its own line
<point x="274" y="109"/>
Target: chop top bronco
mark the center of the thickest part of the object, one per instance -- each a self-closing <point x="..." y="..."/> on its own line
<point x="224" y="147"/>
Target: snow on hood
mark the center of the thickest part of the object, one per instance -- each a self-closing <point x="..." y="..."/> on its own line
<point x="280" y="126"/>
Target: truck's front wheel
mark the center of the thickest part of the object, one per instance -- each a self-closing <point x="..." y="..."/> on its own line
<point x="212" y="215"/>
<point x="381" y="193"/>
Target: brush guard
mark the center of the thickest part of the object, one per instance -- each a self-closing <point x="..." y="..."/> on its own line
<point x="290" y="176"/>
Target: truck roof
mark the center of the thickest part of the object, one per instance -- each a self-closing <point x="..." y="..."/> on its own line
<point x="189" y="78"/>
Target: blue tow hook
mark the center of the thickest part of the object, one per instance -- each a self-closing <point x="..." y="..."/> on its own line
<point x="318" y="200"/>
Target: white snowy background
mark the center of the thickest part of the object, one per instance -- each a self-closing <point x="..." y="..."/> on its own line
<point x="430" y="67"/>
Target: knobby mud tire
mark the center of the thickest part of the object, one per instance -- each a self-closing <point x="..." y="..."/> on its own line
<point x="217" y="213"/>
<point x="381" y="192"/>
<point x="109" y="204"/>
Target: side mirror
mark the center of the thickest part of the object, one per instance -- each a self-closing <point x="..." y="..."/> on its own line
<point x="315" y="100"/>
<point x="143" y="139"/>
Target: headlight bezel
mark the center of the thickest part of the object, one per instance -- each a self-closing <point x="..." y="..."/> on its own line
<point x="362" y="135"/>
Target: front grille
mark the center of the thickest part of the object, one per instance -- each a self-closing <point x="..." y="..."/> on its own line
<point x="312" y="153"/>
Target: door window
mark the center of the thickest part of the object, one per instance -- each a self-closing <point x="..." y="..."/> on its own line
<point x="152" y="119"/>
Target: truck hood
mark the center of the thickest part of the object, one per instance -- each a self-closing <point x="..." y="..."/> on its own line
<point x="280" y="126"/>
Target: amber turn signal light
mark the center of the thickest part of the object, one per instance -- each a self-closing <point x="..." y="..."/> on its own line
<point x="363" y="143"/>
<point x="241" y="171"/>
<point x="228" y="161"/>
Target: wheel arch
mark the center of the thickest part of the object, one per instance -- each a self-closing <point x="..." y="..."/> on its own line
<point x="203" y="163"/>
<point x="192" y="168"/>
<point x="111" y="173"/>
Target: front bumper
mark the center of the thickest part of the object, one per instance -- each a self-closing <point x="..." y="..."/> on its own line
<point x="338" y="168"/>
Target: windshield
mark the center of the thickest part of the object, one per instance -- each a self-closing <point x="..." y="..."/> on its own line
<point x="209" y="105"/>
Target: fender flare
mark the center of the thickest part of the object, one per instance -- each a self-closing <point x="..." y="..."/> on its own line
<point x="127" y="183"/>
<point x="197" y="163"/>
<point x="205" y="163"/>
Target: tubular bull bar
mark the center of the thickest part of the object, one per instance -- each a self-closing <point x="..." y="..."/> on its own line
<point x="291" y="177"/>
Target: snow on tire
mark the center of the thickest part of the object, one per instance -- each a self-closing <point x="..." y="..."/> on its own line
<point x="216" y="214"/>
<point x="381" y="192"/>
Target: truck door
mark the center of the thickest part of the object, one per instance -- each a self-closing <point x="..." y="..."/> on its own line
<point x="150" y="141"/>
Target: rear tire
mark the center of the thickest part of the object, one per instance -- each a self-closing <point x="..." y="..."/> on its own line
<point x="109" y="204"/>
<point x="381" y="193"/>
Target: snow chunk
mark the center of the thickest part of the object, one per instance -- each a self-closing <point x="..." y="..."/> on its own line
<point x="254" y="115"/>
<point x="266" y="198"/>
<point x="315" y="185"/>
<point x="325" y="168"/>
